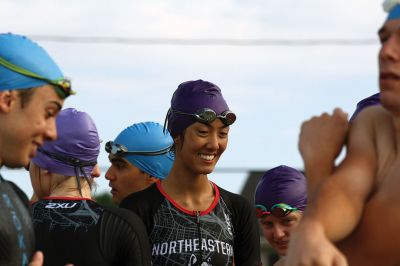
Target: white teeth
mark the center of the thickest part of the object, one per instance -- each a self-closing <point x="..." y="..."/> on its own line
<point x="207" y="157"/>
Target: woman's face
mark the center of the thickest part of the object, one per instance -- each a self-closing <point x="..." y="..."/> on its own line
<point x="201" y="146"/>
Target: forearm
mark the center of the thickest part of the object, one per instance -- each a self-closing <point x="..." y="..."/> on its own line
<point x="317" y="172"/>
<point x="335" y="209"/>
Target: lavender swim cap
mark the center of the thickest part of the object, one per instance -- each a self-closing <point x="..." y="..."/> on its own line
<point x="282" y="184"/>
<point x="369" y="101"/>
<point x="77" y="144"/>
<point x="190" y="97"/>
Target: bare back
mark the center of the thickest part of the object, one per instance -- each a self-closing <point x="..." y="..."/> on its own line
<point x="376" y="237"/>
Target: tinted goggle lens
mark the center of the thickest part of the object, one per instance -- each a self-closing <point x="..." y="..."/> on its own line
<point x="115" y="148"/>
<point x="278" y="210"/>
<point x="228" y="118"/>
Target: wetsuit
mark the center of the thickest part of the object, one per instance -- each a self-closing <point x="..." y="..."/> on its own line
<point x="83" y="232"/>
<point x="16" y="229"/>
<point x="227" y="231"/>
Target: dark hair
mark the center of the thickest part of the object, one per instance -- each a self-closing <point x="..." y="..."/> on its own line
<point x="181" y="137"/>
<point x="25" y="96"/>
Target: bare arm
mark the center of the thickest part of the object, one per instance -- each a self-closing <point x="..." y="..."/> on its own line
<point x="337" y="204"/>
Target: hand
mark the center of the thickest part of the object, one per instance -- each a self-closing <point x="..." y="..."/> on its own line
<point x="321" y="140"/>
<point x="37" y="259"/>
<point x="309" y="247"/>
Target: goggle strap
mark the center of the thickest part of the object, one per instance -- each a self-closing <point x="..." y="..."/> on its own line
<point x="60" y="91"/>
<point x="68" y="160"/>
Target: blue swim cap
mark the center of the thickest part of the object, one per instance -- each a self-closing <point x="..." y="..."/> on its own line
<point x="392" y="7"/>
<point x="147" y="136"/>
<point x="19" y="52"/>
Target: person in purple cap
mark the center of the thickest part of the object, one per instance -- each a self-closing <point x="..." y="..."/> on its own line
<point x="352" y="219"/>
<point x="70" y="227"/>
<point x="280" y="199"/>
<point x="364" y="103"/>
<point x="189" y="219"/>
<point x="32" y="92"/>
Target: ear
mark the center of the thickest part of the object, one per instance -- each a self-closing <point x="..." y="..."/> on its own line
<point x="177" y="139"/>
<point x="7" y="99"/>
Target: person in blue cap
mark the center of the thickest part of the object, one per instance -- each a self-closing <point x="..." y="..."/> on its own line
<point x="140" y="155"/>
<point x="280" y="199"/>
<point x="352" y="219"/>
<point x="32" y="92"/>
<point x="70" y="227"/>
<point x="189" y="219"/>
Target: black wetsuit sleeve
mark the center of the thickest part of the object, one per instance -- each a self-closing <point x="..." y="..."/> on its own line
<point x="247" y="236"/>
<point x="123" y="233"/>
<point x="145" y="204"/>
<point x="16" y="228"/>
<point x="22" y="196"/>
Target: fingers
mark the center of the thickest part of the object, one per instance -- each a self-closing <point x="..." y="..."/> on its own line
<point x="37" y="259"/>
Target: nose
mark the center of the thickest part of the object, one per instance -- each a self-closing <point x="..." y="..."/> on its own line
<point x="390" y="49"/>
<point x="279" y="232"/>
<point x="96" y="171"/>
<point x="109" y="174"/>
<point x="213" y="141"/>
<point x="51" y="130"/>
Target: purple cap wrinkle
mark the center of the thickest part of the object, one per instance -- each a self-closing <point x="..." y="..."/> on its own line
<point x="190" y="97"/>
<point x="77" y="138"/>
<point x="282" y="184"/>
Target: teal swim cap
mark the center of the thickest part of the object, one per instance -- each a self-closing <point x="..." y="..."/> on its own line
<point x="24" y="64"/>
<point x="392" y="7"/>
<point x="147" y="148"/>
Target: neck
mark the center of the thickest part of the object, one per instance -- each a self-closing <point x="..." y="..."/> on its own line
<point x="68" y="188"/>
<point x="184" y="181"/>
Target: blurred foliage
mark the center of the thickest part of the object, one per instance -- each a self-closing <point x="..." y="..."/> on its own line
<point x="104" y="198"/>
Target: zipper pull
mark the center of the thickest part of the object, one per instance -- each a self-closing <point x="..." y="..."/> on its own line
<point x="198" y="217"/>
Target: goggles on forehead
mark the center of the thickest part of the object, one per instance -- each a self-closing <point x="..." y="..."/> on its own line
<point x="277" y="210"/>
<point x="119" y="150"/>
<point x="207" y="116"/>
<point x="63" y="86"/>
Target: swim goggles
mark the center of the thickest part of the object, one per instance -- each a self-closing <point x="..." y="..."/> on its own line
<point x="62" y="85"/>
<point x="207" y="116"/>
<point x="277" y="210"/>
<point x="119" y="150"/>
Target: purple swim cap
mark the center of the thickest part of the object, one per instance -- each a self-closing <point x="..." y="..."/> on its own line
<point x="77" y="144"/>
<point x="369" y="101"/>
<point x="190" y="97"/>
<point x="282" y="184"/>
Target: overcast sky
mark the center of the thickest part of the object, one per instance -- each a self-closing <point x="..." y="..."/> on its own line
<point x="271" y="88"/>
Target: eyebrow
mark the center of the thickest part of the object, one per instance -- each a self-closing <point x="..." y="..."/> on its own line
<point x="59" y="106"/>
<point x="116" y="160"/>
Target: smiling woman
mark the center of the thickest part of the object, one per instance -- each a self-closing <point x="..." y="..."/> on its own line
<point x="203" y="222"/>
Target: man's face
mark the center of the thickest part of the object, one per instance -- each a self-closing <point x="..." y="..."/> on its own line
<point x="389" y="65"/>
<point x="276" y="230"/>
<point x="125" y="178"/>
<point x="24" y="129"/>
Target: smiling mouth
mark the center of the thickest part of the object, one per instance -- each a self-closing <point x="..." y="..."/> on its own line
<point x="207" y="157"/>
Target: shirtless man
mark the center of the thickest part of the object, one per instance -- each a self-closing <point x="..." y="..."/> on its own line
<point x="353" y="218"/>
